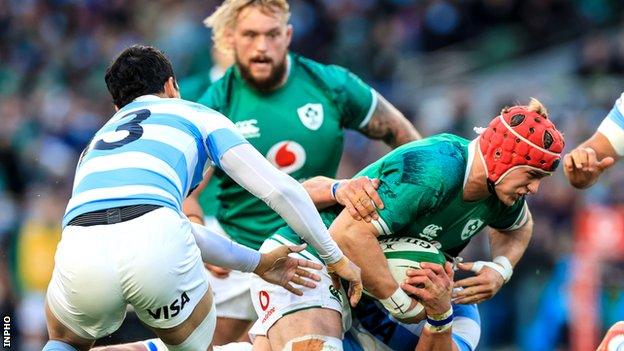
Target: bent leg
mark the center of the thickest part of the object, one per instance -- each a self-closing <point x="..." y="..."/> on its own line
<point x="316" y="329"/>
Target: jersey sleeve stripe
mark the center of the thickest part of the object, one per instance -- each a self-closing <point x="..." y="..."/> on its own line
<point x="613" y="131"/>
<point x="371" y="109"/>
<point x="522" y="219"/>
<point x="220" y="141"/>
<point x="132" y="159"/>
<point x="468" y="330"/>
<point x="462" y="345"/>
<point x="381" y="226"/>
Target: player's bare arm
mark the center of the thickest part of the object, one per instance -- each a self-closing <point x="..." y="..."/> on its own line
<point x="358" y="195"/>
<point x="433" y="284"/>
<point x="358" y="240"/>
<point x="506" y="246"/>
<point x="584" y="165"/>
<point x="390" y="125"/>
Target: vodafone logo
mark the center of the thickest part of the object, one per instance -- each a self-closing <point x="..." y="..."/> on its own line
<point x="288" y="156"/>
<point x="263" y="296"/>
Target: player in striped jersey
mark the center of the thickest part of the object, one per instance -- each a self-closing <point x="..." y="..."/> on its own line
<point x="584" y="165"/>
<point x="125" y="238"/>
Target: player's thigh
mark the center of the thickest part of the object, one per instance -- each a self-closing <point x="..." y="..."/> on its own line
<point x="84" y="294"/>
<point x="230" y="330"/>
<point x="283" y="316"/>
<point x="306" y="327"/>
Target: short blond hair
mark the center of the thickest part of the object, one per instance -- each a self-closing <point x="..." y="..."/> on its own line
<point x="224" y="17"/>
<point x="534" y="106"/>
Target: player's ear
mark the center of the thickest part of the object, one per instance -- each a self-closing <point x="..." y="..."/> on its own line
<point x="171" y="88"/>
<point x="289" y="33"/>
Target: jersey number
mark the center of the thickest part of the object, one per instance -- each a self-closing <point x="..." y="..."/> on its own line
<point x="134" y="129"/>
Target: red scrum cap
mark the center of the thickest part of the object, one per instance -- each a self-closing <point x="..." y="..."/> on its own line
<point x="519" y="137"/>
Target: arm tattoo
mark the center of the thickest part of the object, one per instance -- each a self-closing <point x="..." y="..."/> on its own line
<point x="389" y="124"/>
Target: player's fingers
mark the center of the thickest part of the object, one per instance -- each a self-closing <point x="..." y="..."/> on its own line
<point x="418" y="281"/>
<point x="606" y="163"/>
<point x="361" y="208"/>
<point x="297" y="248"/>
<point x="470" y="299"/>
<point x="292" y="289"/>
<point x="579" y="157"/>
<point x="309" y="264"/>
<point x="466" y="266"/>
<point x="420" y="293"/>
<point x="375" y="182"/>
<point x="355" y="293"/>
<point x="303" y="282"/>
<point x="448" y="268"/>
<point x="373" y="195"/>
<point x="352" y="211"/>
<point x="568" y="163"/>
<point x="467" y="282"/>
<point x="308" y="274"/>
<point x="335" y="281"/>
<point x="436" y="268"/>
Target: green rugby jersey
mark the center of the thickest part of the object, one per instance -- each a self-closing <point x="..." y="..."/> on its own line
<point x="298" y="127"/>
<point x="421" y="186"/>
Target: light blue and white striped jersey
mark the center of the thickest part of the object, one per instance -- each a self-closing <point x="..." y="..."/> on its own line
<point x="375" y="329"/>
<point x="612" y="127"/>
<point x="152" y="151"/>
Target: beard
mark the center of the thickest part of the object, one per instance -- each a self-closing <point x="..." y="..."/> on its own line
<point x="278" y="71"/>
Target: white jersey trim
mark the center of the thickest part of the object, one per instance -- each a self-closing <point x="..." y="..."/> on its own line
<point x="131" y="159"/>
<point x="115" y="192"/>
<point x="614" y="133"/>
<point x="371" y="109"/>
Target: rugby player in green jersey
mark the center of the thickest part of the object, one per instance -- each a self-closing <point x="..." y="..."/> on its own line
<point x="294" y="111"/>
<point x="443" y="189"/>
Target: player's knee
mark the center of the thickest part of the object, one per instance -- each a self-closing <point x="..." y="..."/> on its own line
<point x="56" y="345"/>
<point x="314" y="343"/>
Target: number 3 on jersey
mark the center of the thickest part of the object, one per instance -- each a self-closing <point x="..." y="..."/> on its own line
<point x="118" y="138"/>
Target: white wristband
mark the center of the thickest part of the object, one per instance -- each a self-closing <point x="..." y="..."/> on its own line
<point x="504" y="262"/>
<point x="399" y="303"/>
<point x="500" y="264"/>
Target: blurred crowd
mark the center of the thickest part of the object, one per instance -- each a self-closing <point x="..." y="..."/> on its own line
<point x="52" y="98"/>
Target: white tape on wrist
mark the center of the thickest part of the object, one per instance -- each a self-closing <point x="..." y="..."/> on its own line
<point x="399" y="303"/>
<point x="504" y="261"/>
<point x="500" y="264"/>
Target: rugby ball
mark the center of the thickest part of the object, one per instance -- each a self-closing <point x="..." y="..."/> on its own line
<point x="405" y="253"/>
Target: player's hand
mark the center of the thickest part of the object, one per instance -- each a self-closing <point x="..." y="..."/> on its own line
<point x="582" y="168"/>
<point x="347" y="270"/>
<point x="478" y="288"/>
<point x="216" y="271"/>
<point x="432" y="285"/>
<point x="359" y="196"/>
<point x="278" y="268"/>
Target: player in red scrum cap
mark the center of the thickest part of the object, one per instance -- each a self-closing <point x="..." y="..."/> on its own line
<point x="521" y="136"/>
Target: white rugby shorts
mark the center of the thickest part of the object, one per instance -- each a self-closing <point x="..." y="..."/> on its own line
<point x="150" y="262"/>
<point x="271" y="302"/>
